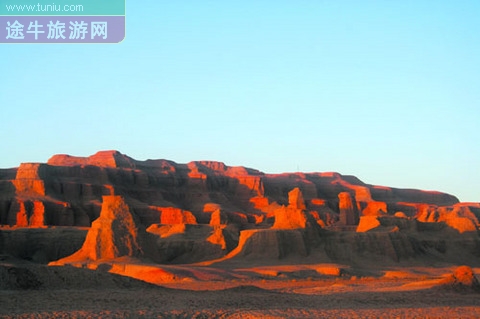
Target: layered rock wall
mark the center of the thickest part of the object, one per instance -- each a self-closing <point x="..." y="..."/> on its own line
<point x="68" y="190"/>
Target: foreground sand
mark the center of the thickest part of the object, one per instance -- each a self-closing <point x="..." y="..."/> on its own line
<point x="412" y="293"/>
<point x="241" y="302"/>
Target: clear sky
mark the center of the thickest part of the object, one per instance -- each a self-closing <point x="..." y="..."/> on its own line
<point x="388" y="91"/>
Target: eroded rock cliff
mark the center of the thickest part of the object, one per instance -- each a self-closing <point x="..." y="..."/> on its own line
<point x="206" y="209"/>
<point x="68" y="190"/>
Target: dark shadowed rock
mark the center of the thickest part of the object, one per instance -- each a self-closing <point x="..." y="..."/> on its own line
<point x="348" y="209"/>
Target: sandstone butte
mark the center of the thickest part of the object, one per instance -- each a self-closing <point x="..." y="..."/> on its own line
<point x="166" y="212"/>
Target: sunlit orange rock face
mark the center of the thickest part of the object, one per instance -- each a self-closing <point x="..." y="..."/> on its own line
<point x="30" y="213"/>
<point x="368" y="223"/>
<point x="172" y="215"/>
<point x="103" y="159"/>
<point x="459" y="217"/>
<point x="374" y="208"/>
<point x="114" y="234"/>
<point x="29" y="179"/>
<point x="68" y="190"/>
<point x="204" y="210"/>
<point x="218" y="218"/>
<point x="27" y="210"/>
<point x="294" y="215"/>
<point x="295" y="199"/>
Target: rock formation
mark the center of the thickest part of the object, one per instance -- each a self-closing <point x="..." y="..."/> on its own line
<point x="375" y="208"/>
<point x="295" y="199"/>
<point x="114" y="234"/>
<point x="462" y="280"/>
<point x="68" y="191"/>
<point x="294" y="216"/>
<point x="294" y="233"/>
<point x="218" y="217"/>
<point x="188" y="243"/>
<point x="368" y="223"/>
<point x="113" y="159"/>
<point x="204" y="209"/>
<point x="385" y="223"/>
<point x="458" y="217"/>
<point x="348" y="209"/>
<point x="172" y="215"/>
<point x="269" y="244"/>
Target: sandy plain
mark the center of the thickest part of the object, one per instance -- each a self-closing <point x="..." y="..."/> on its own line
<point x="234" y="291"/>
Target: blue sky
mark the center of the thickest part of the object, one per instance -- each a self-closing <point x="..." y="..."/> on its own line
<point x="387" y="91"/>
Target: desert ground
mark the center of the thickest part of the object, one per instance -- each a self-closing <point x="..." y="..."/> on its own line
<point x="225" y="291"/>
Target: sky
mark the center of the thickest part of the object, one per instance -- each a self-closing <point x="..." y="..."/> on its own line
<point x="387" y="91"/>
